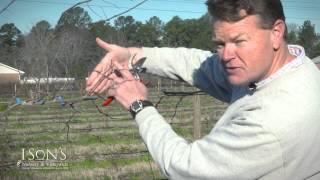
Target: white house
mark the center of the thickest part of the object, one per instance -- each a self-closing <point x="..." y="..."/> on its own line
<point x="9" y="74"/>
<point x="49" y="80"/>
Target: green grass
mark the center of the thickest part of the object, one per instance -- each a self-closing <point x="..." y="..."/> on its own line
<point x="18" y="125"/>
<point x="3" y="107"/>
<point x="18" y="173"/>
<point x="105" y="139"/>
<point x="183" y="131"/>
<point x="91" y="163"/>
<point x="45" y="137"/>
<point x="85" y="140"/>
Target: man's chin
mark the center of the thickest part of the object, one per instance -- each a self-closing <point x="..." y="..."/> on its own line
<point x="236" y="81"/>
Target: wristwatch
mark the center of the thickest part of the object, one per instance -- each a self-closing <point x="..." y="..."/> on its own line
<point x="138" y="105"/>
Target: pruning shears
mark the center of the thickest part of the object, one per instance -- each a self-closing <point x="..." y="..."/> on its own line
<point x="108" y="101"/>
<point x="137" y="68"/>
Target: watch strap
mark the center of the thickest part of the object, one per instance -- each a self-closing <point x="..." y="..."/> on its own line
<point x="143" y="103"/>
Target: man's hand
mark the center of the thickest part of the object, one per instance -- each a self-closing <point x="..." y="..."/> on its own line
<point x="112" y="75"/>
<point x="125" y="88"/>
<point x="98" y="81"/>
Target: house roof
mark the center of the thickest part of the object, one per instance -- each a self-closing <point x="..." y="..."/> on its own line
<point x="316" y="60"/>
<point x="5" y="69"/>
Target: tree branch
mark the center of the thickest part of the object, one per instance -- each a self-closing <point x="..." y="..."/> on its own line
<point x="79" y="3"/>
<point x="126" y="10"/>
<point x="107" y="2"/>
<point x="94" y="11"/>
<point x="5" y="8"/>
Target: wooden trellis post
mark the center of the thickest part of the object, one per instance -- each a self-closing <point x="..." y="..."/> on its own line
<point x="196" y="117"/>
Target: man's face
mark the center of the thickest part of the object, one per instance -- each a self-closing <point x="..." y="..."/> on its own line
<point x="245" y="49"/>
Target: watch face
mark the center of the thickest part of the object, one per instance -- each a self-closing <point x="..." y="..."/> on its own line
<point x="136" y="106"/>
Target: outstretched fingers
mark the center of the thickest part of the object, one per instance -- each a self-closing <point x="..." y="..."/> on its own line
<point x="102" y="69"/>
<point x="98" y="79"/>
<point x="106" y="46"/>
<point x="94" y="77"/>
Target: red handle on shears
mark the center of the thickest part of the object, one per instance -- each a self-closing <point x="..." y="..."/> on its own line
<point x="108" y="101"/>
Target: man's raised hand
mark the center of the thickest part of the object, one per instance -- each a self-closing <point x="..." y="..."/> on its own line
<point x="98" y="81"/>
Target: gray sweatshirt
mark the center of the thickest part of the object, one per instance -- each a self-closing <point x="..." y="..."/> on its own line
<point x="271" y="132"/>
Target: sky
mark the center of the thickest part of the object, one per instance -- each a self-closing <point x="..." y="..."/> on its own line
<point x="26" y="13"/>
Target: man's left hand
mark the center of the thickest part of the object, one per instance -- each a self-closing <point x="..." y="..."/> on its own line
<point x="126" y="89"/>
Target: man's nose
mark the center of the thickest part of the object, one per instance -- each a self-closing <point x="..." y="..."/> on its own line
<point x="228" y="52"/>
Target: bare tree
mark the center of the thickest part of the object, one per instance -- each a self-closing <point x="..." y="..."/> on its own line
<point x="69" y="47"/>
<point x="35" y="54"/>
<point x="74" y="49"/>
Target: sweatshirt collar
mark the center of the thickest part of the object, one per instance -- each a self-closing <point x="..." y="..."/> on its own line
<point x="296" y="51"/>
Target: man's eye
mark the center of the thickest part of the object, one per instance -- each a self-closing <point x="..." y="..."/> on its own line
<point x="219" y="45"/>
<point x="240" y="41"/>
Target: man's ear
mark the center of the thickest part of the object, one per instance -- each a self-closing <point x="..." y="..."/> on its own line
<point x="278" y="33"/>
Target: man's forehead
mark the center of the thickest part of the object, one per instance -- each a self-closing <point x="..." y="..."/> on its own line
<point x="230" y="32"/>
<point x="231" y="36"/>
<point x="241" y="27"/>
<point x="249" y="19"/>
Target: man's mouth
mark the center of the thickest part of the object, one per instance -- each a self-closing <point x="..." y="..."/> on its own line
<point x="231" y="70"/>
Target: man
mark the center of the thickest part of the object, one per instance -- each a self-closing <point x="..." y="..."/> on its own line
<point x="271" y="130"/>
